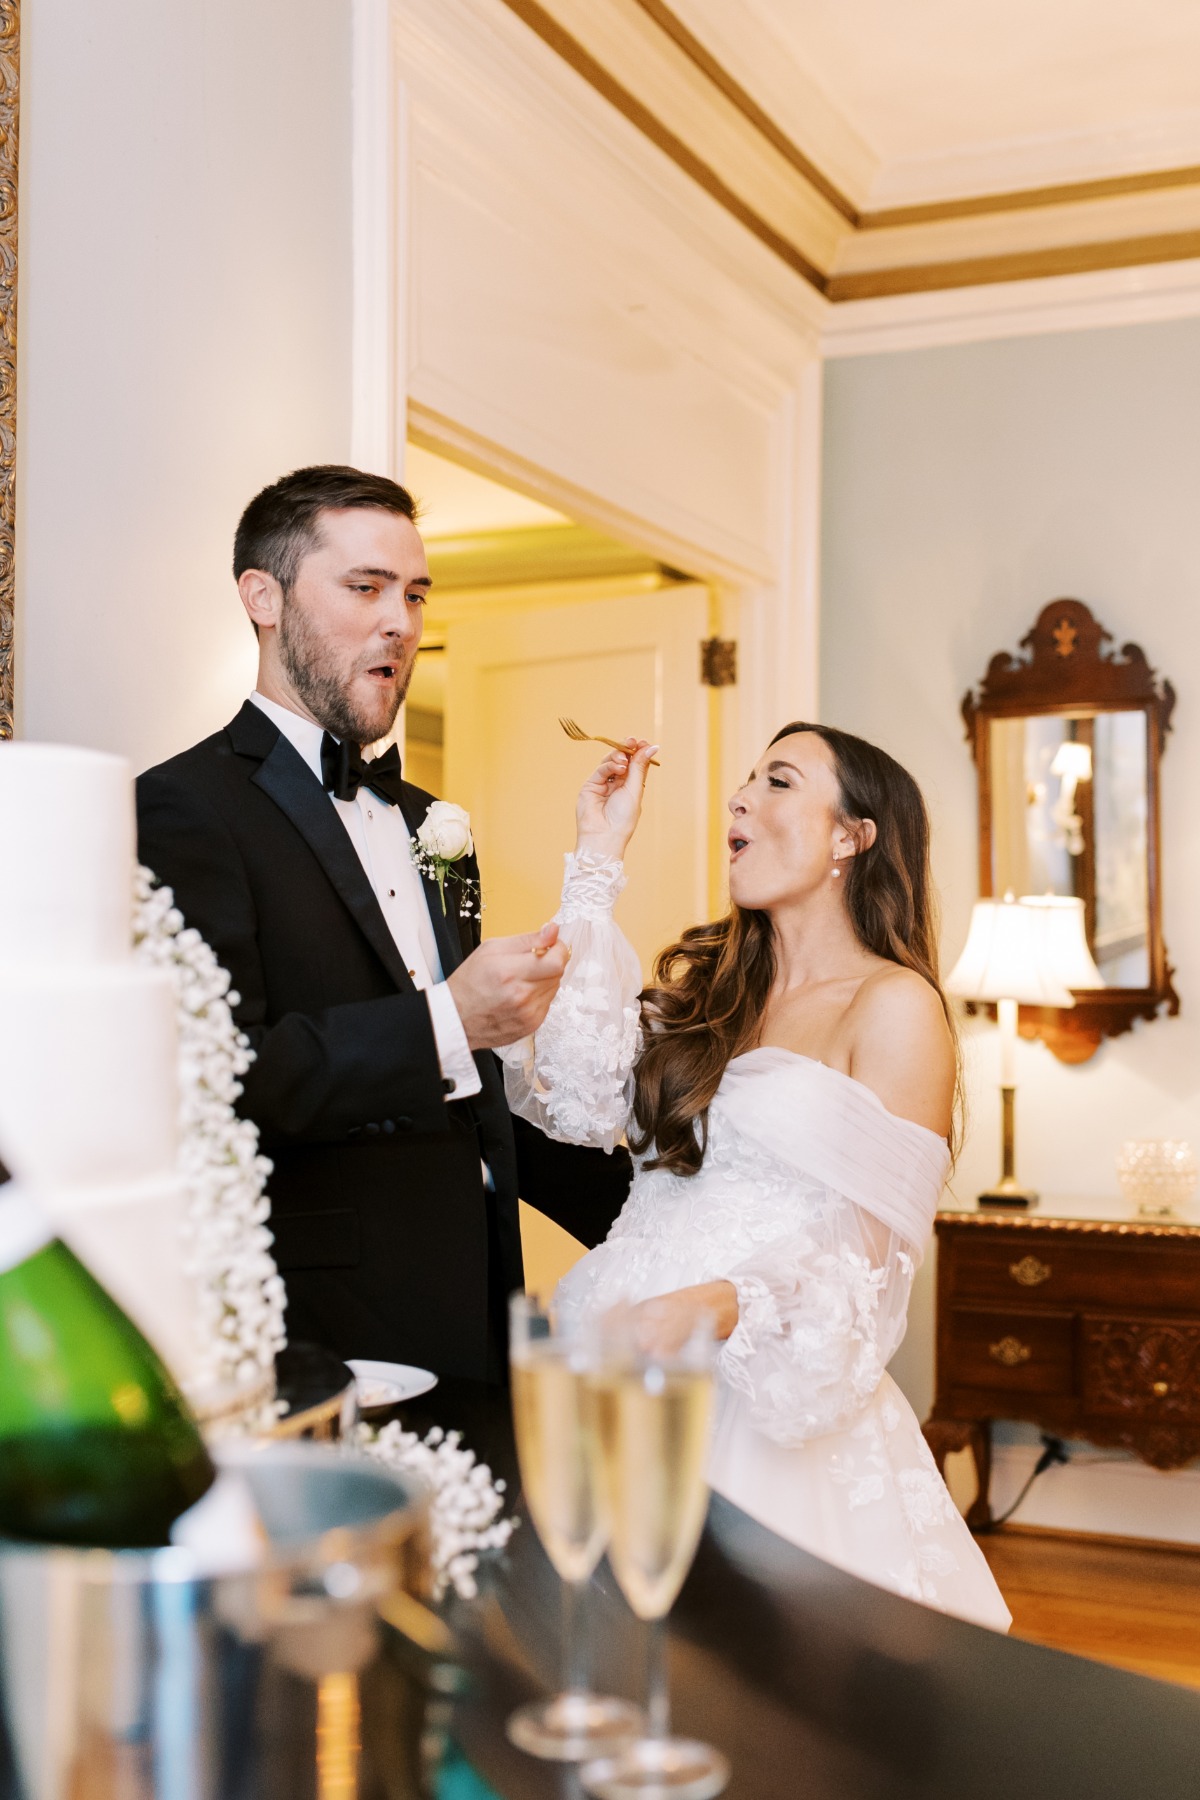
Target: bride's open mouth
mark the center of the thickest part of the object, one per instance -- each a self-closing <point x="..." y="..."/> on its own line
<point x="737" y="843"/>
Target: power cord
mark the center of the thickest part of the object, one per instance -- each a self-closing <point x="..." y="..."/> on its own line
<point x="1053" y="1451"/>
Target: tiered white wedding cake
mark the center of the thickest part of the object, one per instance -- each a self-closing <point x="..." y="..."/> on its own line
<point x="89" y="1052"/>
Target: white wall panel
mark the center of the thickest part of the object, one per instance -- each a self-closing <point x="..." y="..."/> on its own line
<point x="518" y="336"/>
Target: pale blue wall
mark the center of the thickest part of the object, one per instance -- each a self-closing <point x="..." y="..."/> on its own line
<point x="963" y="489"/>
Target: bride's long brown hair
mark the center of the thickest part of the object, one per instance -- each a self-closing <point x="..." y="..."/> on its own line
<point x="710" y="990"/>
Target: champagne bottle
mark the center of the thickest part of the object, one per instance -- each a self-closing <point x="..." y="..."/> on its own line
<point x="97" y="1447"/>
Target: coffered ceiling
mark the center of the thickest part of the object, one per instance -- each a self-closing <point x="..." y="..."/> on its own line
<point x="881" y="148"/>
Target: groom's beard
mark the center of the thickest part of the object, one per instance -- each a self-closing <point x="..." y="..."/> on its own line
<point x="309" y="665"/>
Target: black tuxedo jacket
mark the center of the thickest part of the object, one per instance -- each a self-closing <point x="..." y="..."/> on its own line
<point x="388" y="1241"/>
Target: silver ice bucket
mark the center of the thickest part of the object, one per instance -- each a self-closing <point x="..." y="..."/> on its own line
<point x="125" y="1676"/>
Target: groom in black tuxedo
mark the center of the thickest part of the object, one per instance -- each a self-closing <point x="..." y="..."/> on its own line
<point x="372" y="1013"/>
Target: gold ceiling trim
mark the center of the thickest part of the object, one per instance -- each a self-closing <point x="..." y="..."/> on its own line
<point x="1017" y="265"/>
<point x="10" y="71"/>
<point x="1023" y="199"/>
<point x="597" y="76"/>
<point x="694" y="50"/>
<point x="907" y="278"/>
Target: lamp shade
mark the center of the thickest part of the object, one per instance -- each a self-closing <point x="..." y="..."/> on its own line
<point x="1066" y="939"/>
<point x="1074" y="761"/>
<point x="1007" y="957"/>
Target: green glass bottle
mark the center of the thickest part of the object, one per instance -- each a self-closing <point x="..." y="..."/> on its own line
<point x="97" y="1446"/>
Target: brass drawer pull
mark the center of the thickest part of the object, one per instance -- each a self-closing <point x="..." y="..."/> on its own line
<point x="1010" y="1351"/>
<point x="1161" y="1389"/>
<point x="1029" y="1271"/>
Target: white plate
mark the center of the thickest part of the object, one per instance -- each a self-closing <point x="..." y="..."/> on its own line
<point x="387" y="1383"/>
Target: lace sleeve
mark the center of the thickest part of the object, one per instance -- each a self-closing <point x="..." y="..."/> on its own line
<point x="820" y="1315"/>
<point x="575" y="1078"/>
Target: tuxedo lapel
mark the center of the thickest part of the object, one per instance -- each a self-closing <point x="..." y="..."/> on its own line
<point x="445" y="924"/>
<point x="294" y="788"/>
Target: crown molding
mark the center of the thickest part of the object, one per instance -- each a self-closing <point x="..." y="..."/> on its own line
<point x="742" y="38"/>
<point x="986" y="176"/>
<point x="1028" y="199"/>
<point x="721" y="78"/>
<point x="642" y="59"/>
<point x="1013" y="266"/>
<point x="787" y="212"/>
<point x="1112" y="297"/>
<point x="480" y="90"/>
<point x="486" y="84"/>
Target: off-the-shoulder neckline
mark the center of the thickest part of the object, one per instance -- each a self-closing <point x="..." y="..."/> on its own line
<point x="841" y="1075"/>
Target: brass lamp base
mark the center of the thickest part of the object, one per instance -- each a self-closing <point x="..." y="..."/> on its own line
<point x="1008" y="1193"/>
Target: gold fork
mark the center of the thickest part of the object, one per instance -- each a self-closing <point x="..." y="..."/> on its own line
<point x="580" y="736"/>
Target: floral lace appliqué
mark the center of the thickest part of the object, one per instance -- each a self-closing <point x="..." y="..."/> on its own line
<point x="592" y="886"/>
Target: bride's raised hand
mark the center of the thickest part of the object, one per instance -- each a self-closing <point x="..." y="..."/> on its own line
<point x="610" y="800"/>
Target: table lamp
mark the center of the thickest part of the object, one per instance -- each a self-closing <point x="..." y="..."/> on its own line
<point x="1018" y="953"/>
<point x="1067" y="945"/>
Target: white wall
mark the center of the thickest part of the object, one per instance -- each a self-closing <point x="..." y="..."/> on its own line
<point x="963" y="489"/>
<point x="184" y="334"/>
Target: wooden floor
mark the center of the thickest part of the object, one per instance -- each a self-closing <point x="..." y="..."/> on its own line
<point x="1133" y="1604"/>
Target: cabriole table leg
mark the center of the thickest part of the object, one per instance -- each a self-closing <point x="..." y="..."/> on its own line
<point x="975" y="1435"/>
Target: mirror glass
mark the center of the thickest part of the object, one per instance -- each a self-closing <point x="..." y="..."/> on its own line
<point x="1069" y="800"/>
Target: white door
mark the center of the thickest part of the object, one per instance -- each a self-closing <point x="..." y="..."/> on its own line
<point x="629" y="665"/>
<point x="621" y="666"/>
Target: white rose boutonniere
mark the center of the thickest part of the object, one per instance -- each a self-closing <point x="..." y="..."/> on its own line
<point x="444" y="839"/>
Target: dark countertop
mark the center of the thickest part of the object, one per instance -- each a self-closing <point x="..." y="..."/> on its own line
<point x="814" y="1684"/>
<point x="811" y="1681"/>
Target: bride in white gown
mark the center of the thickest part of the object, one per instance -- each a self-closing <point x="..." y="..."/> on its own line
<point x="788" y="1086"/>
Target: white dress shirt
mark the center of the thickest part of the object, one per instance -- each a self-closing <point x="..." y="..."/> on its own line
<point x="381" y="838"/>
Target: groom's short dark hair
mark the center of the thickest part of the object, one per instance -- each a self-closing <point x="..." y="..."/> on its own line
<point x="279" y="527"/>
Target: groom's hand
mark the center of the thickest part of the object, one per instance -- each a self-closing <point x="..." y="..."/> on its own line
<point x="504" y="989"/>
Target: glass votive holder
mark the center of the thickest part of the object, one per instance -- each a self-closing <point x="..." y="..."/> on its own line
<point x="1157" y="1175"/>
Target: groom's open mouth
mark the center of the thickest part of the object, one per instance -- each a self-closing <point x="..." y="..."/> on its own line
<point x="384" y="672"/>
<point x="737" y="843"/>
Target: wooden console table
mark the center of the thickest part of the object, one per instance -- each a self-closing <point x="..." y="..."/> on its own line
<point x="1086" y="1327"/>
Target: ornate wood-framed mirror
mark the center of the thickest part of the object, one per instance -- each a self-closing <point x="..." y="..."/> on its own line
<point x="1067" y="740"/>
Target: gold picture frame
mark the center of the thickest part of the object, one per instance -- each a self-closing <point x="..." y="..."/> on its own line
<point x="10" y="82"/>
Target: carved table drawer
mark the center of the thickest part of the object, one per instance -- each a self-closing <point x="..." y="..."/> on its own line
<point x="1055" y="1272"/>
<point x="1027" y="1354"/>
<point x="1144" y="1367"/>
<point x="1084" y="1327"/>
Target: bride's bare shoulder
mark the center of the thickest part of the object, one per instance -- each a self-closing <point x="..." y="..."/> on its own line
<point x="900" y="999"/>
<point x="901" y="1046"/>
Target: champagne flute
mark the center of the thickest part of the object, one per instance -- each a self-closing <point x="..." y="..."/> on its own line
<point x="654" y="1417"/>
<point x="553" y="1406"/>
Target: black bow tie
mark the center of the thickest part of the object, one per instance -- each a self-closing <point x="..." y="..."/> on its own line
<point x="343" y="771"/>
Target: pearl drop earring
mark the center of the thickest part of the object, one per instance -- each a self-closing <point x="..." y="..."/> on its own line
<point x="836" y="871"/>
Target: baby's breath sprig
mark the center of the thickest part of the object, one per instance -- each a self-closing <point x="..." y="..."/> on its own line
<point x="228" y="1246"/>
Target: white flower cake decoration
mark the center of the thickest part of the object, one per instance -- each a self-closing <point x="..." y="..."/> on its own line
<point x="228" y="1245"/>
<point x="466" y="1500"/>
